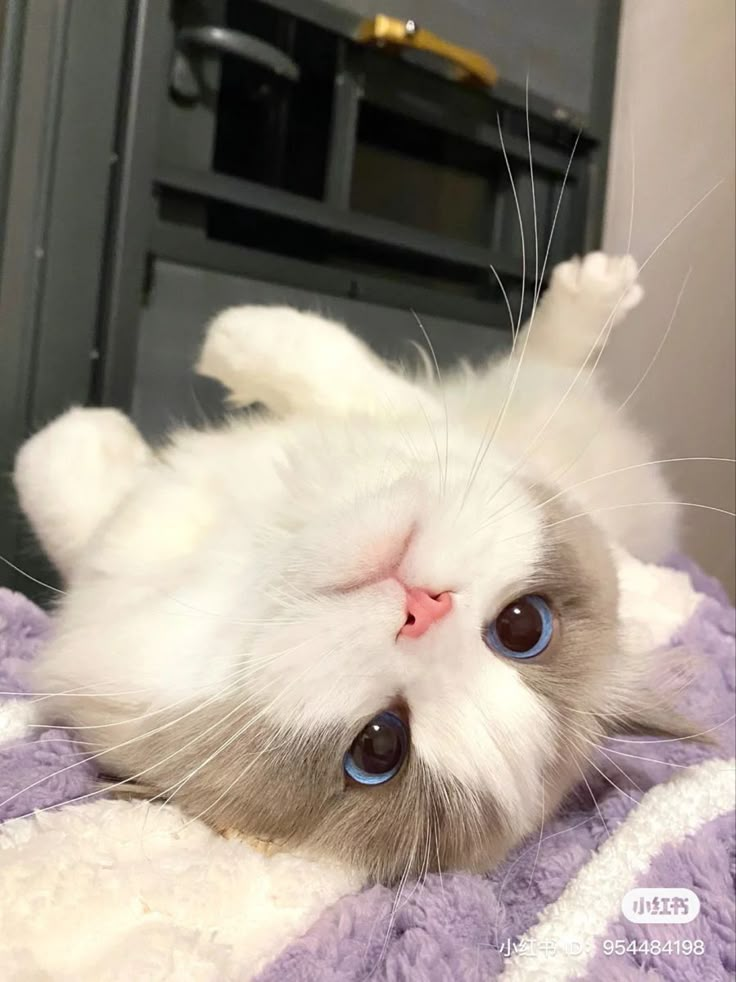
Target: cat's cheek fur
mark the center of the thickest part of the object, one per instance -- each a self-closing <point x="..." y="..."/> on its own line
<point x="491" y="733"/>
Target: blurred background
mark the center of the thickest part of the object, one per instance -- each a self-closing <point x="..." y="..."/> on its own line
<point x="366" y="159"/>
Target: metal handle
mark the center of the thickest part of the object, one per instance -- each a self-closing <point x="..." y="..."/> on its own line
<point x="224" y="41"/>
<point x="383" y="30"/>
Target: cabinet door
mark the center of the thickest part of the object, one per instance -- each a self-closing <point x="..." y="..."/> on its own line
<point x="184" y="299"/>
<point x="554" y="43"/>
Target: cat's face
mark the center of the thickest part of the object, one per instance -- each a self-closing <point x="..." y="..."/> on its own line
<point x="279" y="691"/>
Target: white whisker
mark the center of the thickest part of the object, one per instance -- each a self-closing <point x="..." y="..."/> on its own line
<point x="33" y="579"/>
<point x="444" y="399"/>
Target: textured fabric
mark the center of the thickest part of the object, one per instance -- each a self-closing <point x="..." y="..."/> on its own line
<point x="704" y="864"/>
<point x="454" y="927"/>
<point x="669" y="813"/>
<point x="46" y="769"/>
<point x="125" y="891"/>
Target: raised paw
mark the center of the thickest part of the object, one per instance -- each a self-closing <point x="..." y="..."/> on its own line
<point x="599" y="282"/>
<point x="293" y="361"/>
<point x="72" y="474"/>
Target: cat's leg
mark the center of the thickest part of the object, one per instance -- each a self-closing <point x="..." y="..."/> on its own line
<point x="585" y="299"/>
<point x="72" y="474"/>
<point x="579" y="437"/>
<point x="293" y="361"/>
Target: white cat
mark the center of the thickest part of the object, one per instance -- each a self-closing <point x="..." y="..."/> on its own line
<point x="379" y="621"/>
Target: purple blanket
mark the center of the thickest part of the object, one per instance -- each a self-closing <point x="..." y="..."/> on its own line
<point x="462" y="927"/>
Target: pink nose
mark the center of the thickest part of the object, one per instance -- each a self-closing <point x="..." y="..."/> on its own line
<point x="423" y="610"/>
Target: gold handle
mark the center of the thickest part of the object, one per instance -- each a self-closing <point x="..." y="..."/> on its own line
<point x="405" y="34"/>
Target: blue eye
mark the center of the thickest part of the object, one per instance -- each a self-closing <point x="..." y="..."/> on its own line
<point x="523" y="629"/>
<point x="377" y="753"/>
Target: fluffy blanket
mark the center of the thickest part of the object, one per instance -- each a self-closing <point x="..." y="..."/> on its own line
<point x="102" y="890"/>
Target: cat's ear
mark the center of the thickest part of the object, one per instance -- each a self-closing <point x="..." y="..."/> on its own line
<point x="650" y="687"/>
<point x="73" y="473"/>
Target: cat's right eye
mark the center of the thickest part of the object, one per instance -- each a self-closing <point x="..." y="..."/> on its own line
<point x="523" y="629"/>
<point x="378" y="751"/>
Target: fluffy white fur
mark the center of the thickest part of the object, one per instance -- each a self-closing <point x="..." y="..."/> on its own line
<point x="120" y="891"/>
<point x="204" y="567"/>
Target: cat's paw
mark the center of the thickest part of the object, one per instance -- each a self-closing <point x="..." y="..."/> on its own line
<point x="293" y="361"/>
<point x="102" y="443"/>
<point x="71" y="474"/>
<point x="600" y="283"/>
<point x="274" y="355"/>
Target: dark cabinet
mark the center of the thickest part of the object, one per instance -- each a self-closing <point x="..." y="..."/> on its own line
<point x="177" y="157"/>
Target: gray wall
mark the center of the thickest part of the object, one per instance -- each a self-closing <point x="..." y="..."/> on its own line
<point x="675" y="118"/>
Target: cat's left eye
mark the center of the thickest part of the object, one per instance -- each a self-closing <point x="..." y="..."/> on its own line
<point x="523" y="629"/>
<point x="378" y="751"/>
